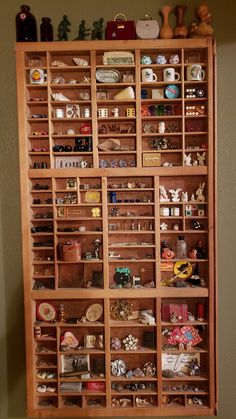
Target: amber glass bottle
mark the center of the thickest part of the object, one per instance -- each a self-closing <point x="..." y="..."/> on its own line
<point x="46" y="30"/>
<point x="26" y="29"/>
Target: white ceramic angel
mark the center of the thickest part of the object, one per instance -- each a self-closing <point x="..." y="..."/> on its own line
<point x="163" y="194"/>
<point x="199" y="192"/>
<point x="175" y="194"/>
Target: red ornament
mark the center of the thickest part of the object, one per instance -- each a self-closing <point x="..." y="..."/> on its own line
<point x="86" y="128"/>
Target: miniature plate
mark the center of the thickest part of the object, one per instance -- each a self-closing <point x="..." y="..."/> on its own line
<point x="107" y="75"/>
<point x="94" y="312"/>
<point x="46" y="312"/>
<point x="92" y="197"/>
<point x="183" y="269"/>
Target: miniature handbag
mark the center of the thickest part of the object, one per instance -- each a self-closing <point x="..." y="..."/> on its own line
<point x="147" y="29"/>
<point x="120" y="28"/>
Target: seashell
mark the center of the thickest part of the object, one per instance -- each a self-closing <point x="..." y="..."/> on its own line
<point x="58" y="63"/>
<point x="137" y="372"/>
<point x="80" y="61"/>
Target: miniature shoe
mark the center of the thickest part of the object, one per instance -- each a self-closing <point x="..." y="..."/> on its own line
<point x="51" y="389"/>
<point x="41" y="375"/>
<point x="60" y="97"/>
<point x="41" y="389"/>
<point x="50" y="375"/>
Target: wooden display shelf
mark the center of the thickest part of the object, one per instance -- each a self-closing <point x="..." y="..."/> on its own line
<point x="76" y="286"/>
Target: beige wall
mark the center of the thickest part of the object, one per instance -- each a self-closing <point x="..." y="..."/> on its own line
<point x="12" y="371"/>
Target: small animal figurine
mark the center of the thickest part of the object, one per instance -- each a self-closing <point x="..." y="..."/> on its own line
<point x="201" y="158"/>
<point x="187" y="159"/>
<point x="199" y="192"/>
<point x="175" y="194"/>
<point x="204" y="28"/>
<point x="184" y="197"/>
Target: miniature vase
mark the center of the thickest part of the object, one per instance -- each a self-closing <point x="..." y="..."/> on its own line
<point x="166" y="31"/>
<point x="26" y="29"/>
<point x="46" y="30"/>
<point x="181" y="30"/>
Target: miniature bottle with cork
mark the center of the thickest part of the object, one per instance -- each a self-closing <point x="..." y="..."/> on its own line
<point x="181" y="248"/>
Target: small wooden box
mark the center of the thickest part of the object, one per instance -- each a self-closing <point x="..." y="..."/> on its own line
<point x="167" y="309"/>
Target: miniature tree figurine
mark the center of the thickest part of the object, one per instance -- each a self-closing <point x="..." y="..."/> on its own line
<point x="63" y="29"/>
<point x="83" y="32"/>
<point x="97" y="31"/>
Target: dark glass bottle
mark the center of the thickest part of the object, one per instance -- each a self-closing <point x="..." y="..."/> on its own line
<point x="26" y="29"/>
<point x="46" y="30"/>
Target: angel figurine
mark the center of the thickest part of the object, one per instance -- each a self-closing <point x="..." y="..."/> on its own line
<point x="163" y="194"/>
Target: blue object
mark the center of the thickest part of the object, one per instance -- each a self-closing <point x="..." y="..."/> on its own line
<point x="172" y="91"/>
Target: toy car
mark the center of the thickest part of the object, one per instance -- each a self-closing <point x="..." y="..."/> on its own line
<point x="40" y="133"/>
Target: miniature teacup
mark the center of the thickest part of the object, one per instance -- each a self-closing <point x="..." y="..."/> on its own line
<point x="148" y="75"/>
<point x="161" y="59"/>
<point x="169" y="74"/>
<point x="195" y="72"/>
<point x="174" y="59"/>
<point x="146" y="60"/>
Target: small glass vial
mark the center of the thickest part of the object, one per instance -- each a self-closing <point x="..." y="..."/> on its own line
<point x="181" y="248"/>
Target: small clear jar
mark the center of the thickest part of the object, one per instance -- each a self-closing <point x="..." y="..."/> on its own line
<point x="181" y="248"/>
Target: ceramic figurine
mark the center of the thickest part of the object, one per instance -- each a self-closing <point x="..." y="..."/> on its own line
<point x="201" y="158"/>
<point x="184" y="197"/>
<point x="83" y="32"/>
<point x="166" y="251"/>
<point x="204" y="28"/>
<point x="163" y="194"/>
<point x="97" y="31"/>
<point x="175" y="194"/>
<point x="97" y="243"/>
<point x="63" y="29"/>
<point x="187" y="159"/>
<point x="161" y="59"/>
<point x="166" y="31"/>
<point x="163" y="226"/>
<point x="180" y="30"/>
<point x="161" y="127"/>
<point x="199" y="192"/>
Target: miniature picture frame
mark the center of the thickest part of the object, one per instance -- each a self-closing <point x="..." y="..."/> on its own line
<point x="78" y="363"/>
<point x="90" y="341"/>
<point x="72" y="111"/>
<point x="71" y="183"/>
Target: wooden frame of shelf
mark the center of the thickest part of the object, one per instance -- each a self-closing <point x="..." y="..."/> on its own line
<point x="128" y="226"/>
